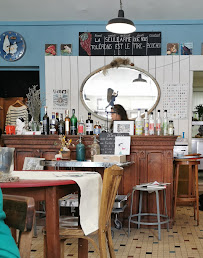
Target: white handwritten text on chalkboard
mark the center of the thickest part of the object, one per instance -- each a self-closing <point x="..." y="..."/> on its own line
<point x="108" y="44"/>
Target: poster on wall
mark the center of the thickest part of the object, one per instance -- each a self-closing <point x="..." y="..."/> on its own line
<point x="175" y="100"/>
<point x="50" y="49"/>
<point x="66" y="49"/>
<point x="172" y="49"/>
<point x="60" y="99"/>
<point x="109" y="44"/>
<point x="186" y="48"/>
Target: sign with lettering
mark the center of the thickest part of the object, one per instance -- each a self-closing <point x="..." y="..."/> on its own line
<point x="109" y="44"/>
<point x="107" y="142"/>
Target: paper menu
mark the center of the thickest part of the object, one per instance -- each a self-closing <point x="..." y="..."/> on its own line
<point x="175" y="100"/>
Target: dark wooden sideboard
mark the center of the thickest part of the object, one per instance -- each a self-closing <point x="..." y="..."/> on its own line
<point x="152" y="157"/>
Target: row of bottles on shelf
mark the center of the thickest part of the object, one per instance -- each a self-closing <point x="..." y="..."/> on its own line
<point x="149" y="126"/>
<point x="69" y="125"/>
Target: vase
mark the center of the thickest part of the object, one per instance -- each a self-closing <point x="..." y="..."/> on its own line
<point x="35" y="126"/>
<point x="65" y="155"/>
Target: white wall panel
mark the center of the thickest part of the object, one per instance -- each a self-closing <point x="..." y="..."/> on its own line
<point x="74" y="93"/>
<point x="160" y="60"/>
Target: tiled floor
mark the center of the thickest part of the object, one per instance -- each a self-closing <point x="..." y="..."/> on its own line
<point x="185" y="240"/>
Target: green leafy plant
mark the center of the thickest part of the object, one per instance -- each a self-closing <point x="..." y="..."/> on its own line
<point x="199" y="109"/>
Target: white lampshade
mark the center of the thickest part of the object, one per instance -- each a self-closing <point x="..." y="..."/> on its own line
<point x="120" y="25"/>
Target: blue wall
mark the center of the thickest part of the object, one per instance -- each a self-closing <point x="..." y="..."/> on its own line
<point x="37" y="34"/>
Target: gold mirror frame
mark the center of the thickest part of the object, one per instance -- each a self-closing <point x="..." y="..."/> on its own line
<point x="125" y="64"/>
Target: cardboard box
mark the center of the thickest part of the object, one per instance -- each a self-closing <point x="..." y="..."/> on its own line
<point x="109" y="158"/>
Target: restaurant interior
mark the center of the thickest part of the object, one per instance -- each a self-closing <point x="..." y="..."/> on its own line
<point x="79" y="177"/>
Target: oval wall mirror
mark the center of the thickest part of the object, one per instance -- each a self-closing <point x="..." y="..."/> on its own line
<point x="129" y="86"/>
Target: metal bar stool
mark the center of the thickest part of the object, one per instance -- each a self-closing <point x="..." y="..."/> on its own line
<point x="193" y="192"/>
<point x="140" y="214"/>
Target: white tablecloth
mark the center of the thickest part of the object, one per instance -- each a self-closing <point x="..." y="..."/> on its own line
<point x="90" y="184"/>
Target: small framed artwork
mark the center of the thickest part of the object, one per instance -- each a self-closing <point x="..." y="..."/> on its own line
<point x="66" y="49"/>
<point x="50" y="49"/>
<point x="31" y="163"/>
<point x="122" y="145"/>
<point x="186" y="48"/>
<point x="123" y="126"/>
<point x="172" y="49"/>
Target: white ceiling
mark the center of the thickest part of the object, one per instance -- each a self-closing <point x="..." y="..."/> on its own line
<point x="97" y="10"/>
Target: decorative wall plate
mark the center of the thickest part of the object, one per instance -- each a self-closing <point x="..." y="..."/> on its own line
<point x="12" y="46"/>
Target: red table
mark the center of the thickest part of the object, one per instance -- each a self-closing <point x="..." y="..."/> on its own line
<point x="49" y="191"/>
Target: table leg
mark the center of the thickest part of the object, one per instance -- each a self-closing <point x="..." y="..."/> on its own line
<point x="52" y="223"/>
<point x="82" y="248"/>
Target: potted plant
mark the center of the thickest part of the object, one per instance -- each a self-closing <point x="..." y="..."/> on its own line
<point x="199" y="109"/>
<point x="65" y="144"/>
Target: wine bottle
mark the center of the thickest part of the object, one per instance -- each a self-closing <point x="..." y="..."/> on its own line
<point x="67" y="123"/>
<point x="53" y="124"/>
<point x="73" y="123"/>
<point x="61" y="126"/>
<point x="45" y="122"/>
<point x="89" y="125"/>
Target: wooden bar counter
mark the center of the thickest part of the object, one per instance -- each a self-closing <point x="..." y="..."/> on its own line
<point x="152" y="157"/>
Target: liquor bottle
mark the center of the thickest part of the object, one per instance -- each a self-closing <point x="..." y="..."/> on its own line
<point x="158" y="123"/>
<point x="57" y="117"/>
<point x="89" y="125"/>
<point x="81" y="126"/>
<point x="165" y="123"/>
<point x="151" y="124"/>
<point x="73" y="123"/>
<point x="97" y="128"/>
<point x="95" y="148"/>
<point x="45" y="122"/>
<point x="170" y="128"/>
<point x="61" y="126"/>
<point x="138" y="123"/>
<point x="53" y="124"/>
<point x="67" y="122"/>
<point x="146" y="123"/>
<point x="57" y="121"/>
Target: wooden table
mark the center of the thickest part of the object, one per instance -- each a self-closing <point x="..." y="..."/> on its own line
<point x="49" y="191"/>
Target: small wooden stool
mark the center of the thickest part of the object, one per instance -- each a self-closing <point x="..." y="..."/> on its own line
<point x="193" y="193"/>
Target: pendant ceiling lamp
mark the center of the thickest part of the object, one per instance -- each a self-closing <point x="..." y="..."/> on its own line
<point x="139" y="79"/>
<point x="120" y="25"/>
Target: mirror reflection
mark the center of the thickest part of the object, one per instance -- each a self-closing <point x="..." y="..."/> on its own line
<point x="131" y="87"/>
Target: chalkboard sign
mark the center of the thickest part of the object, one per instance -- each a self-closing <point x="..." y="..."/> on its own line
<point x="108" y="44"/>
<point x="107" y="142"/>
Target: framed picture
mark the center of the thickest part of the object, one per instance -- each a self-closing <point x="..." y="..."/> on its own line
<point x="123" y="126"/>
<point x="122" y="145"/>
<point x="31" y="163"/>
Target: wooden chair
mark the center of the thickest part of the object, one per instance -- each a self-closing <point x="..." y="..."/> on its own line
<point x="111" y="180"/>
<point x="20" y="213"/>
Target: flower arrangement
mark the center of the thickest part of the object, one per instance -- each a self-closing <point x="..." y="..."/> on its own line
<point x="64" y="144"/>
<point x="34" y="103"/>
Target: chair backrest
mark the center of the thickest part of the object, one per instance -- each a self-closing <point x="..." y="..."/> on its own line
<point x="20" y="213"/>
<point x="111" y="180"/>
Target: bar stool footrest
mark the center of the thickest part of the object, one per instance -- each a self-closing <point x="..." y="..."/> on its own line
<point x="149" y="223"/>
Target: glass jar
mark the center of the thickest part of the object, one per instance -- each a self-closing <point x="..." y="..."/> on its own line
<point x="170" y="128"/>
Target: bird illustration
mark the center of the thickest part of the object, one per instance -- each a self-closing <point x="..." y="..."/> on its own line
<point x="6" y="45"/>
<point x="13" y="48"/>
